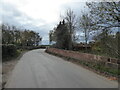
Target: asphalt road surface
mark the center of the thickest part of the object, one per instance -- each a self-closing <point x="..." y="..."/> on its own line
<point x="37" y="69"/>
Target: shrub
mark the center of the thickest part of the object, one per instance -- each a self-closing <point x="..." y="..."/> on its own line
<point x="9" y="50"/>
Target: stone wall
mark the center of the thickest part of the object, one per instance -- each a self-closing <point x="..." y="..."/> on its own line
<point x="110" y="62"/>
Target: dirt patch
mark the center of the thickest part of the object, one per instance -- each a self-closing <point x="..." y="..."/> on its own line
<point x="7" y="68"/>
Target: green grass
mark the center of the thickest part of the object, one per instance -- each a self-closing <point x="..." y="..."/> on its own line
<point x="101" y="68"/>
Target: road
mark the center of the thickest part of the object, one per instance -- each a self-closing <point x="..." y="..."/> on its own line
<point x="37" y="69"/>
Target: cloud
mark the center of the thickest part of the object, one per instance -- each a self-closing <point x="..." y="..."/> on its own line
<point x="12" y="16"/>
<point x="38" y="15"/>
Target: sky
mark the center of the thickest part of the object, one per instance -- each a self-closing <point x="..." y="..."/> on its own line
<point x="38" y="15"/>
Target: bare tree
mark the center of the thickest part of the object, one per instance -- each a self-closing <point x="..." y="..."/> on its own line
<point x="85" y="23"/>
<point x="52" y="35"/>
<point x="71" y="22"/>
<point x="106" y="17"/>
<point x="107" y="13"/>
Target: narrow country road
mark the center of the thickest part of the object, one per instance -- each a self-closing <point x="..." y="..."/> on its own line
<point x="37" y="69"/>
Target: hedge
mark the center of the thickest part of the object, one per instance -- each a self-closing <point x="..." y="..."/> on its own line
<point x="9" y="50"/>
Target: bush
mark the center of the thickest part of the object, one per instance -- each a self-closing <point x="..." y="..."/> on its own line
<point x="9" y="50"/>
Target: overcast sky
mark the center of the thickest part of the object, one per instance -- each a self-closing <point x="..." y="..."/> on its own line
<point x="38" y="15"/>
